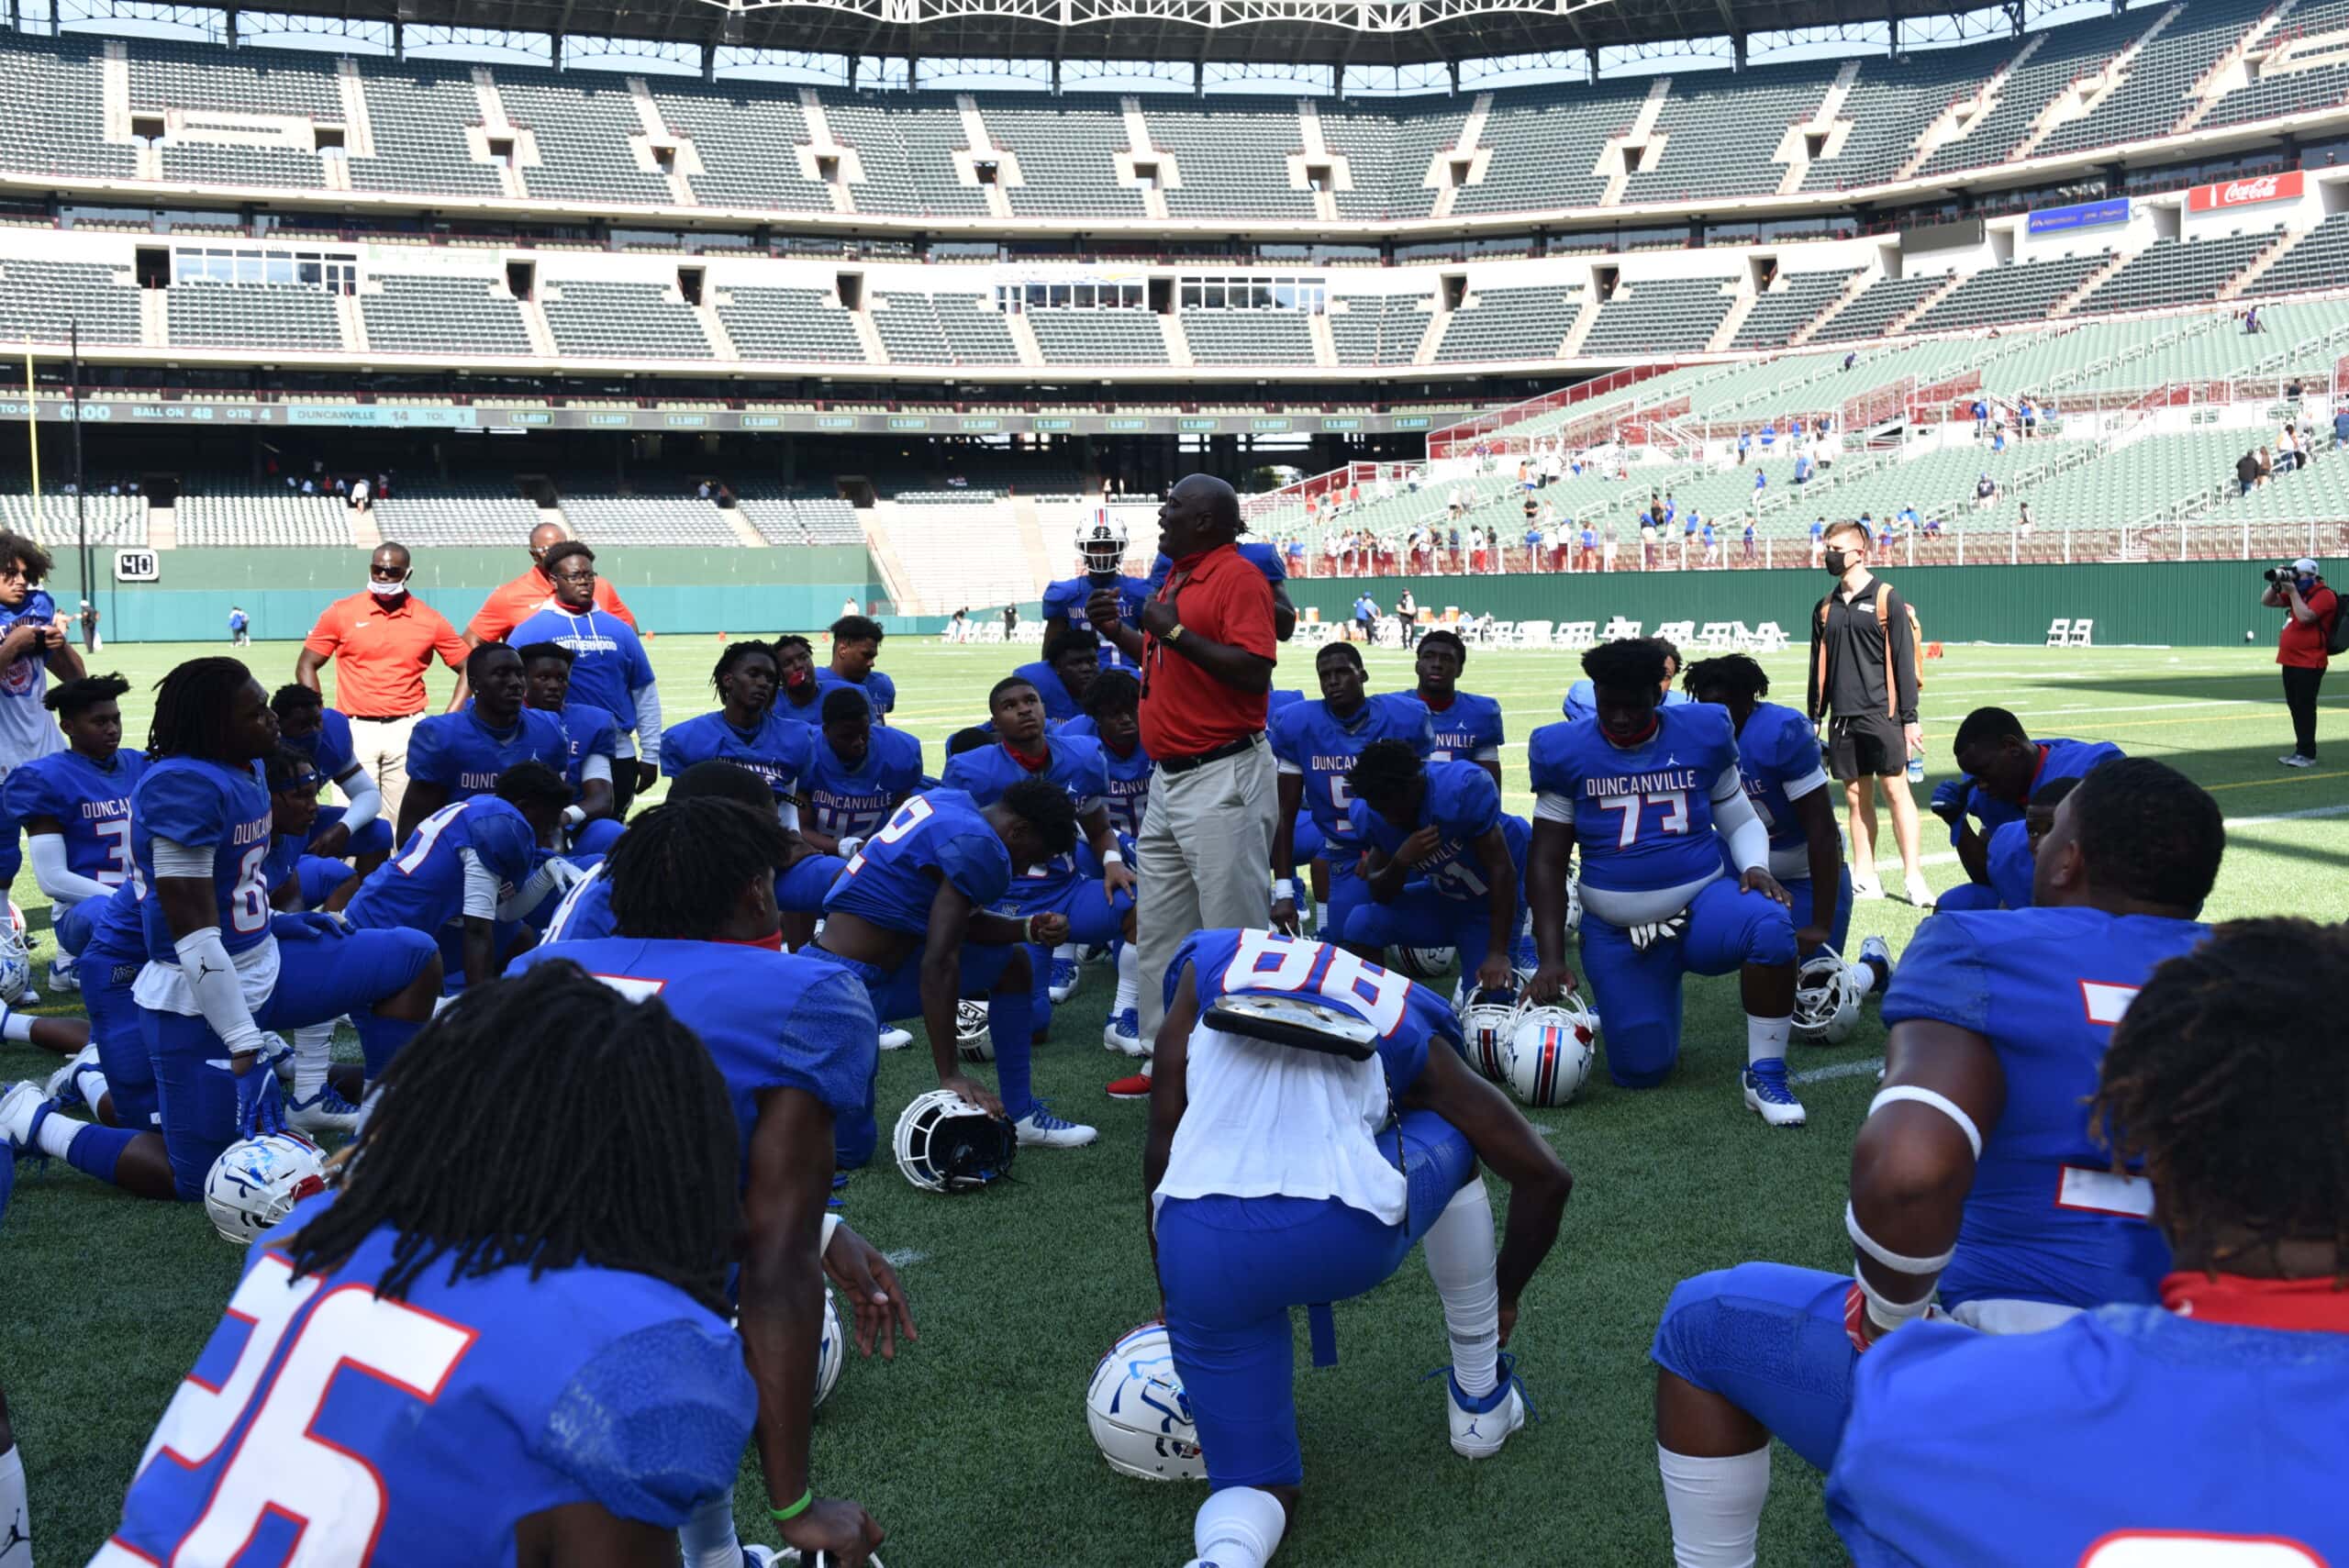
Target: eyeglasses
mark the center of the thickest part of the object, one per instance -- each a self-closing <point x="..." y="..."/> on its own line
<point x="389" y="573"/>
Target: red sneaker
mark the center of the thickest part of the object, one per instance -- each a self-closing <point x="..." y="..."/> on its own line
<point x="1134" y="1088"/>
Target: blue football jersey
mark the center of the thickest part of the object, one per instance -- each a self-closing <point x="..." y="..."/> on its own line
<point x="1642" y="815"/>
<point x="1129" y="795"/>
<point x="91" y="802"/>
<point x="1264" y="963"/>
<point x="423" y="886"/>
<point x="1277" y="699"/>
<point x="325" y="1423"/>
<point x="1582" y="700"/>
<point x="589" y="732"/>
<point x="1073" y="762"/>
<point x="1777" y="747"/>
<point x="1310" y="740"/>
<point x="1463" y="804"/>
<point x="878" y="689"/>
<point x="843" y="800"/>
<point x="2058" y="759"/>
<point x="787" y="706"/>
<point x="938" y="833"/>
<point x="2126" y="1438"/>
<point x="114" y="931"/>
<point x="462" y="754"/>
<point x="2047" y="1218"/>
<point x="1065" y="600"/>
<point x="772" y="1020"/>
<point x="778" y="751"/>
<point x="205" y="805"/>
<point x="1060" y="706"/>
<point x="1263" y="557"/>
<point x="1467" y="731"/>
<point x="584" y="912"/>
<point x="608" y="663"/>
<point x="2012" y="865"/>
<point x="329" y="745"/>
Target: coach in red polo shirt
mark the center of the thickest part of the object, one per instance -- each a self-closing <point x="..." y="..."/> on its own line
<point x="381" y="642"/>
<point x="1206" y="649"/>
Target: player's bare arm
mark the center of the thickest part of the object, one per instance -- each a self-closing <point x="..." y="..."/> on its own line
<point x="1549" y="861"/>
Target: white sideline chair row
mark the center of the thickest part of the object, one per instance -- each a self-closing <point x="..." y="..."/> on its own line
<point x="2071" y="634"/>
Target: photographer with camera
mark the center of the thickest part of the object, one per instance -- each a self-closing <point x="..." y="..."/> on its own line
<point x="2311" y="635"/>
<point x="34" y="645"/>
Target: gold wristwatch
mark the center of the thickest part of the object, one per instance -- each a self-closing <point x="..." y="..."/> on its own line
<point x="1174" y="634"/>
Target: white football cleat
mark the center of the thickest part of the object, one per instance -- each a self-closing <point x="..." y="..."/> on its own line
<point x="64" y="1085"/>
<point x="21" y="1107"/>
<point x="1479" y="1426"/>
<point x="1123" y="1034"/>
<point x="1063" y="984"/>
<point x="1040" y="1129"/>
<point x="1768" y="1094"/>
<point x="892" y="1039"/>
<point x="62" y="977"/>
<point x="325" y="1111"/>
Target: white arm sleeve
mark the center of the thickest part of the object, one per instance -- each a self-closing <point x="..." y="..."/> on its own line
<point x="203" y="958"/>
<point x="528" y="896"/>
<point x="648" y="722"/>
<point x="481" y="887"/>
<point x="1286" y="766"/>
<point x="596" y="767"/>
<point x="57" y="879"/>
<point x="787" y="813"/>
<point x="1797" y="788"/>
<point x="366" y="801"/>
<point x="1739" y="825"/>
<point x="1551" y="807"/>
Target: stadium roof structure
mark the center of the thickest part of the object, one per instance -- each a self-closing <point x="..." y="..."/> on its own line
<point x="1339" y="32"/>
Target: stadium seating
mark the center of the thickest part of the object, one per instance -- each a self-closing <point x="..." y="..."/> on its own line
<point x="1890" y="103"/>
<point x="456" y="514"/>
<point x="2174" y="272"/>
<point x="637" y="320"/>
<point x="1388" y="156"/>
<point x="2065" y="55"/>
<point x="1720" y="135"/>
<point x="1796" y="299"/>
<point x="1546" y="145"/>
<point x="441" y="315"/>
<point x="417" y="113"/>
<point x="1996" y="296"/>
<point x="1234" y="159"/>
<point x="1509" y="324"/>
<point x="647" y="520"/>
<point x="207" y="315"/>
<point x="42" y="300"/>
<point x="57" y="523"/>
<point x="1659" y="316"/>
<point x="744" y="140"/>
<point x="1879" y="305"/>
<point x="582" y="123"/>
<point x="1377" y="329"/>
<point x="801" y="325"/>
<point x="799" y="520"/>
<point x="2318" y="260"/>
<point x="51" y="111"/>
<point x="253" y="82"/>
<point x="232" y="513"/>
<point x="2292" y="90"/>
<point x="2151" y="98"/>
<point x="1099" y="337"/>
<point x="1249" y="337"/>
<point x="1067" y="152"/>
<point x="943" y="328"/>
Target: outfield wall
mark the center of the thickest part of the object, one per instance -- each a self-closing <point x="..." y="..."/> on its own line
<point x="2190" y="604"/>
<point x="672" y="591"/>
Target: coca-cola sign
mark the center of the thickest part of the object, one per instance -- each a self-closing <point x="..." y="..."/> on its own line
<point x="2282" y="187"/>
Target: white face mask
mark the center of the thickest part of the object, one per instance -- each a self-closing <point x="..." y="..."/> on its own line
<point x="382" y="590"/>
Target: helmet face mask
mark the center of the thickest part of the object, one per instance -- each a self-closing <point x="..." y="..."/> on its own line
<point x="1826" y="999"/>
<point x="944" y="1144"/>
<point x="1102" y="547"/>
<point x="971" y="1036"/>
<point x="1550" y="1049"/>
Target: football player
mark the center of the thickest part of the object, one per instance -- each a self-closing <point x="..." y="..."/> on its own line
<point x="1438" y="827"/>
<point x="1113" y="716"/>
<point x="1101" y="548"/>
<point x="1094" y="900"/>
<point x="592" y="821"/>
<point x="469" y="869"/>
<point x="75" y="804"/>
<point x="692" y="894"/>
<point x="1653" y="797"/>
<point x="1999" y="767"/>
<point x="355" y="830"/>
<point x="1072" y="658"/>
<point x="750" y="727"/>
<point x="2014" y="846"/>
<point x="445" y="1360"/>
<point x="856" y="647"/>
<point x="1314" y="746"/>
<point x="214" y="977"/>
<point x="1582" y="700"/>
<point x="1264" y="558"/>
<point x="1331" y="1123"/>
<point x="792" y="688"/>
<point x="585" y="911"/>
<point x="1965" y="1447"/>
<point x="610" y="670"/>
<point x="911" y="918"/>
<point x="857" y="774"/>
<point x="1974" y="1174"/>
<point x="456" y="756"/>
<point x="1467" y="727"/>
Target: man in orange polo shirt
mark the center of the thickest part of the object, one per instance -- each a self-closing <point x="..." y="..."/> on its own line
<point x="1206" y="649"/>
<point x="382" y="640"/>
<point x="511" y="604"/>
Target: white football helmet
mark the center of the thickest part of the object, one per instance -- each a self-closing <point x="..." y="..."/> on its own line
<point x="1101" y="545"/>
<point x="1550" y="1049"/>
<point x="257" y="1181"/>
<point x="1421" y="963"/>
<point x="1487" y="1024"/>
<point x="1137" y="1414"/>
<point x="971" y="1037"/>
<point x="829" y="1350"/>
<point x="944" y="1144"/>
<point x="16" y="958"/>
<point x="1573" y="904"/>
<point x="1826" y="999"/>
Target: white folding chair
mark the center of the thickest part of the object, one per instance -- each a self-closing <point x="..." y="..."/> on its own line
<point x="1577" y="634"/>
<point x="1500" y="634"/>
<point x="1719" y="635"/>
<point x="1533" y="633"/>
<point x="2059" y="633"/>
<point x="1769" y="637"/>
<point x="1675" y="631"/>
<point x="990" y="634"/>
<point x="2083" y="634"/>
<point x="1619" y="629"/>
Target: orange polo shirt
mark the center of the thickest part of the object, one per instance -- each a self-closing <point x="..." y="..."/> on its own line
<point x="380" y="653"/>
<point x="1184" y="710"/>
<point x="511" y="604"/>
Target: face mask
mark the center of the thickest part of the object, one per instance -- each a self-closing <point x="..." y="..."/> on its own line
<point x="382" y="590"/>
<point x="1836" y="562"/>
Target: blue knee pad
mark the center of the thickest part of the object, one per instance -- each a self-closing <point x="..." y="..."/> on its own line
<point x="1437" y="1161"/>
<point x="1839" y="923"/>
<point x="196" y="1102"/>
<point x="1638" y="996"/>
<point x="1967" y="896"/>
<point x="115" y="1030"/>
<point x="1770" y="1340"/>
<point x="317" y="877"/>
<point x="1729" y="928"/>
<point x="802" y="888"/>
<point x="596" y="838"/>
<point x="376" y="839"/>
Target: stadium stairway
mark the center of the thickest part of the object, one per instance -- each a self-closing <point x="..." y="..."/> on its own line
<point x="2233" y="288"/>
<point x="2228" y="70"/>
<point x="1859" y="284"/>
<point x="1955" y="120"/>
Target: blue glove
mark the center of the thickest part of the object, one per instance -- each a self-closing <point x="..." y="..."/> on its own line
<point x="1949" y="797"/>
<point x="309" y="926"/>
<point x="261" y="1104"/>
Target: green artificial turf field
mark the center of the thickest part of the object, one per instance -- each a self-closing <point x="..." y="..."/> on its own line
<point x="972" y="1448"/>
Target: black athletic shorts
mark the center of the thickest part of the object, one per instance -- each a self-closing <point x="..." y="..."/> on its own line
<point x="1869" y="745"/>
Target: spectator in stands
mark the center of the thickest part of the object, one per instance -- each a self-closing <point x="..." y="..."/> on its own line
<point x="2246" y="474"/>
<point x="1981" y="412"/>
<point x="360" y="501"/>
<point x="1985" y="492"/>
<point x="2340" y="425"/>
<point x="1292" y="555"/>
<point x="240" y="627"/>
<point x="2250" y="322"/>
<point x="1532" y="510"/>
<point x="849" y="606"/>
<point x="2267" y="467"/>
<point x="1589" y="547"/>
<point x="2292" y="390"/>
<point x="2027" y="416"/>
<point x="2288" y="447"/>
<point x="1761" y="481"/>
<point x="2024" y="522"/>
<point x="2300" y="650"/>
<point x="1455" y="550"/>
<point x="1748" y="540"/>
<point x="1802" y="468"/>
<point x="1997" y="435"/>
<point x="1863" y="684"/>
<point x="1493" y="549"/>
<point x="381" y="642"/>
<point x="1744" y="445"/>
<point x="1851" y="357"/>
<point x="1818" y="540"/>
<point x="1712" y="543"/>
<point x="1459" y="504"/>
<point x="510" y="602"/>
<point x="1608" y="558"/>
<point x="1769" y="436"/>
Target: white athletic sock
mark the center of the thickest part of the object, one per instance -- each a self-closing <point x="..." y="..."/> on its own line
<point x="1070" y="952"/>
<point x="16" y="1026"/>
<point x="1461" y="1257"/>
<point x="15" y="1519"/>
<point x="707" y="1539"/>
<point x="374" y="1092"/>
<point x="1238" y="1528"/>
<point x="1321" y="918"/>
<point x="1767" y="1038"/>
<point x="1129" y="979"/>
<point x="91" y="1079"/>
<point x="313" y="1044"/>
<point x="57" y="1134"/>
<point x="1716" y="1506"/>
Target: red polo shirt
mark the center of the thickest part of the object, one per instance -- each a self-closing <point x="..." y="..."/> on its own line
<point x="2302" y="642"/>
<point x="380" y="654"/>
<point x="1184" y="710"/>
<point x="511" y="604"/>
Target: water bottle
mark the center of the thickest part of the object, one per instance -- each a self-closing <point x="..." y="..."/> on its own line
<point x="1916" y="767"/>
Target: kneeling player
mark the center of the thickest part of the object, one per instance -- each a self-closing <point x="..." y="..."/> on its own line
<point x="399" y="1329"/>
<point x="457" y="756"/>
<point x="1975" y="1172"/>
<point x="355" y="830"/>
<point x="1113" y="716"/>
<point x="2001" y="769"/>
<point x="1963" y="1450"/>
<point x="593" y="821"/>
<point x="1440" y="826"/>
<point x="1653" y="797"/>
<point x="1311" y="1118"/>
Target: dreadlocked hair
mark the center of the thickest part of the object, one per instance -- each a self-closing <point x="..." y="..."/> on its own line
<point x="1112" y="691"/>
<point x="678" y="870"/>
<point x="1732" y="672"/>
<point x="1384" y="771"/>
<point x="79" y="696"/>
<point x="1046" y="807"/>
<point x="719" y="780"/>
<point x="1632" y="663"/>
<point x="192" y="708"/>
<point x="2238" y="1108"/>
<point x="2148" y="832"/>
<point x="543" y="1121"/>
<point x="735" y="653"/>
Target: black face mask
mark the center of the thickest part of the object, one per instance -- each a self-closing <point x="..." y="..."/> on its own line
<point x="1836" y="561"/>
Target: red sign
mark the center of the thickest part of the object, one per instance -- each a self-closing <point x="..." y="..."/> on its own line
<point x="2281" y="187"/>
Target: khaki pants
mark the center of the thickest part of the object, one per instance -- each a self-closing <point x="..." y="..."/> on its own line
<point x="1204" y="861"/>
<point x="382" y="747"/>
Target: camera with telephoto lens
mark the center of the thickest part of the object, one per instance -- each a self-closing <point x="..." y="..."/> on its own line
<point x="2279" y="575"/>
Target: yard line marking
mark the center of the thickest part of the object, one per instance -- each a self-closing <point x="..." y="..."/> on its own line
<point x="1839" y="1070"/>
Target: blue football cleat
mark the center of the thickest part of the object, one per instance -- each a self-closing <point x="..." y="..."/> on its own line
<point x="1768" y="1094"/>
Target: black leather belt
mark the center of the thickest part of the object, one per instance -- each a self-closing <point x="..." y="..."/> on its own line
<point x="1179" y="765"/>
<point x="381" y="718"/>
